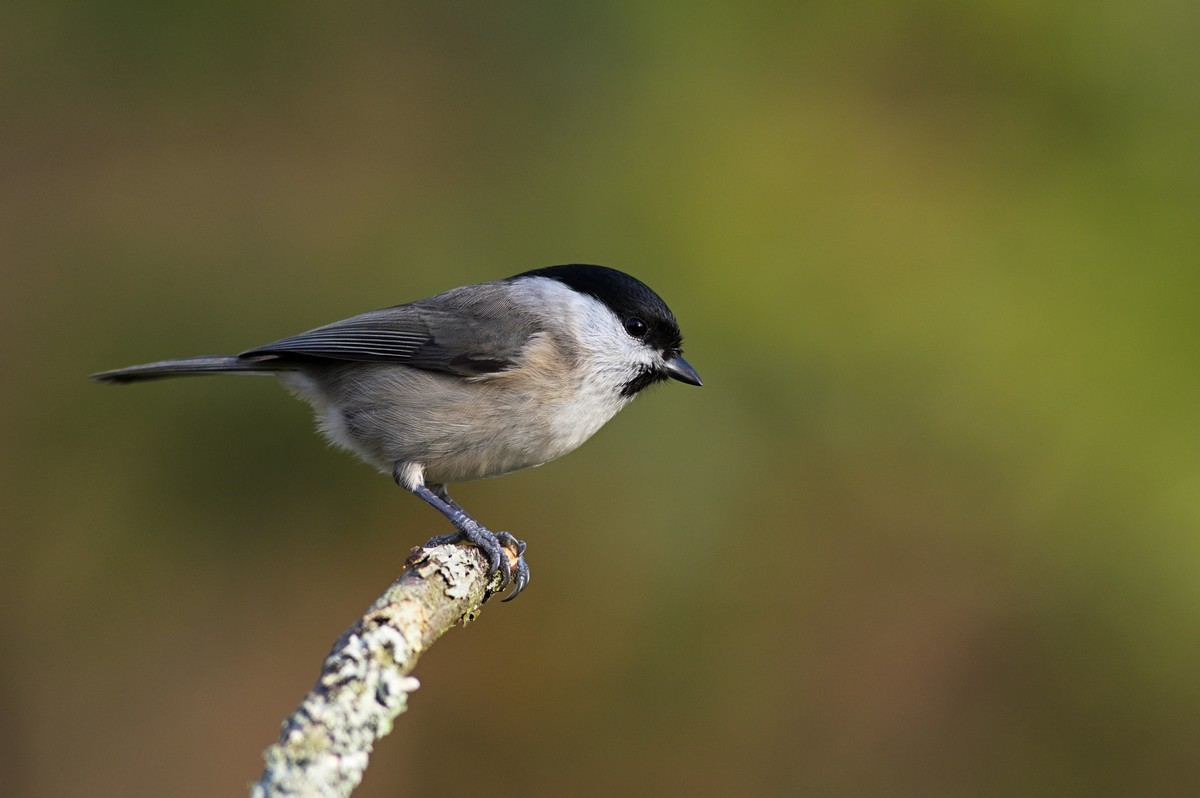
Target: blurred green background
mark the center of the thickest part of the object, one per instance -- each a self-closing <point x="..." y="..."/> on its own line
<point x="930" y="528"/>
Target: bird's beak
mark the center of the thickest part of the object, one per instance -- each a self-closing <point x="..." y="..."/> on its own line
<point x="679" y="369"/>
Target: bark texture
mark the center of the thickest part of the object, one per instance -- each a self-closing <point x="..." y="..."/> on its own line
<point x="364" y="683"/>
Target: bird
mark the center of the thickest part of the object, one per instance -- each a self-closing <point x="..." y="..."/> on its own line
<point x="476" y="382"/>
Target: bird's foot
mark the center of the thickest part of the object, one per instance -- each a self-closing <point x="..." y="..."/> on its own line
<point x="495" y="547"/>
<point x="521" y="577"/>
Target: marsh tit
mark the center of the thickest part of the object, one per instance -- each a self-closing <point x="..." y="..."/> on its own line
<point x="476" y="382"/>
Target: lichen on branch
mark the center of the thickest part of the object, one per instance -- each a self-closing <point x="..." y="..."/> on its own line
<point x="364" y="684"/>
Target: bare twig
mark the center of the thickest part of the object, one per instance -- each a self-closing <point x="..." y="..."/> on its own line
<point x="364" y="683"/>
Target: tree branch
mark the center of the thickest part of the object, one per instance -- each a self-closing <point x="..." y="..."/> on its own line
<point x="364" y="683"/>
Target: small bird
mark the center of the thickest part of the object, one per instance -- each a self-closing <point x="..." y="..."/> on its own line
<point x="476" y="382"/>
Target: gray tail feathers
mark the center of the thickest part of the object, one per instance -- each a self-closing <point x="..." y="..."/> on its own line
<point x="188" y="367"/>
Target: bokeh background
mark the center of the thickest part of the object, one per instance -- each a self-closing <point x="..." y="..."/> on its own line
<point x="930" y="528"/>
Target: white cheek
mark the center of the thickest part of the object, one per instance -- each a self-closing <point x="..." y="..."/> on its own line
<point x="612" y="351"/>
<point x="611" y="357"/>
<point x="608" y="359"/>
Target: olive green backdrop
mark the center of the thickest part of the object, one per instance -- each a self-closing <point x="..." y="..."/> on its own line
<point x="930" y="528"/>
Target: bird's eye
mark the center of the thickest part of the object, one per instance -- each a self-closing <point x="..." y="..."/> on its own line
<point x="636" y="327"/>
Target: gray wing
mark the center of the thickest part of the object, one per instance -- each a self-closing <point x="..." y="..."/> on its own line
<point x="467" y="336"/>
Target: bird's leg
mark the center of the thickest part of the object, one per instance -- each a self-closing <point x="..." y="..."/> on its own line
<point x="506" y="540"/>
<point x="491" y="544"/>
<point x="443" y="493"/>
<point x="469" y="529"/>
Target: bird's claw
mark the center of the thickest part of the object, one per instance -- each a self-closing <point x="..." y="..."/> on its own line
<point x="493" y="546"/>
<point x="521" y="579"/>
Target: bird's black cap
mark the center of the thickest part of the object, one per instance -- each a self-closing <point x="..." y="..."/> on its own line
<point x="627" y="297"/>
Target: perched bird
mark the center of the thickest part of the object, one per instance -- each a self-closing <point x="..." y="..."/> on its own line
<point x="472" y="383"/>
